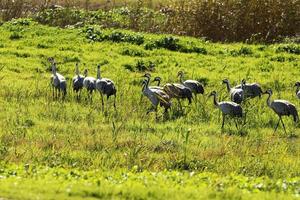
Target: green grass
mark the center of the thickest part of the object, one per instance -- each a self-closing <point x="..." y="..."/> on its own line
<point x="60" y="183"/>
<point x="76" y="136"/>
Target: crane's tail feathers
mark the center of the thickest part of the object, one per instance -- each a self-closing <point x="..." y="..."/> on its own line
<point x="293" y="111"/>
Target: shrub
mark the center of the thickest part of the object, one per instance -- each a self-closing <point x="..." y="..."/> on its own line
<point x="42" y="46"/>
<point x="289" y="48"/>
<point x="243" y="51"/>
<point x="60" y="16"/>
<point x="141" y="66"/>
<point x="171" y="43"/>
<point x="15" y="36"/>
<point x="94" y="34"/>
<point x="133" y="52"/>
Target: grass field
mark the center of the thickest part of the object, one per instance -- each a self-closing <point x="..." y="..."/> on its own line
<point x="53" y="149"/>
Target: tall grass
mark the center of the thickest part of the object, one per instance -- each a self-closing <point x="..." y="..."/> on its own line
<point x="235" y="20"/>
<point x="217" y="20"/>
<point x="34" y="128"/>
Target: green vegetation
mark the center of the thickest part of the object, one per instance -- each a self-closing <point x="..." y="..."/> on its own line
<point x="60" y="183"/>
<point x="249" y="21"/>
<point x="70" y="149"/>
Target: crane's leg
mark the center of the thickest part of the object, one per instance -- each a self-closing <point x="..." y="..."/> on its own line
<point x="91" y="96"/>
<point x="283" y="125"/>
<point x="52" y="92"/>
<point x="195" y="98"/>
<point x="150" y="109"/>
<point x="179" y="103"/>
<point x="141" y="98"/>
<point x="87" y="98"/>
<point x="102" y="101"/>
<point x="156" y="114"/>
<point x="236" y="124"/>
<point x="277" y="125"/>
<point x="223" y="120"/>
<point x="58" y="94"/>
<point x="55" y="93"/>
<point x="115" y="97"/>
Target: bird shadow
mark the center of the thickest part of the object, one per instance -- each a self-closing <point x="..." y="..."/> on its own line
<point x="239" y="132"/>
<point x="176" y="113"/>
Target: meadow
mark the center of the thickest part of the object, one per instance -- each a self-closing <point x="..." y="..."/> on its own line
<point x="64" y="149"/>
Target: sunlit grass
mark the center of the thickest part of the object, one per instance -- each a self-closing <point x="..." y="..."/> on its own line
<point x="40" y="131"/>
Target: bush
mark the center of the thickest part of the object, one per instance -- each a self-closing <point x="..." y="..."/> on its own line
<point x="141" y="66"/>
<point x="133" y="52"/>
<point x="94" y="34"/>
<point x="167" y="42"/>
<point x="15" y="36"/>
<point x="243" y="51"/>
<point x="290" y="48"/>
<point x="60" y="16"/>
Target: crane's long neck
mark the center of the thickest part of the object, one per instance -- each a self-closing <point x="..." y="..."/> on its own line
<point x="215" y="100"/>
<point x="228" y="86"/>
<point x="269" y="100"/>
<point x="148" y="80"/>
<point x="98" y="73"/>
<point x="158" y="82"/>
<point x="243" y="85"/>
<point x="54" y="69"/>
<point x="181" y="78"/>
<point x="77" y="70"/>
<point x="145" y="85"/>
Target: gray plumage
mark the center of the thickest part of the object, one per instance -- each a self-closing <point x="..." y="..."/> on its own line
<point x="156" y="96"/>
<point x="77" y="81"/>
<point x="251" y="90"/>
<point x="105" y="87"/>
<point x="174" y="90"/>
<point x="89" y="82"/>
<point x="236" y="94"/>
<point x="282" y="108"/>
<point x="227" y="108"/>
<point x="58" y="81"/>
<point x="297" y="85"/>
<point x="195" y="86"/>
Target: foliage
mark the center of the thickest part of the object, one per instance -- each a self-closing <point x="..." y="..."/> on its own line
<point x="59" y="144"/>
<point x="94" y="33"/>
<point x="290" y="48"/>
<point x="233" y="20"/>
<point x="24" y="182"/>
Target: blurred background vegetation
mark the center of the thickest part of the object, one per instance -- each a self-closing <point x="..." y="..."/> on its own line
<point x="217" y="20"/>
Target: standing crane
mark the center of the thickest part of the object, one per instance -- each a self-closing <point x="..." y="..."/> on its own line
<point x="156" y="79"/>
<point x="89" y="83"/>
<point x="227" y="108"/>
<point x="156" y="96"/>
<point x="251" y="90"/>
<point x="236" y="94"/>
<point x="105" y="87"/>
<point x="58" y="82"/>
<point x="282" y="108"/>
<point x="195" y="86"/>
<point x="297" y="85"/>
<point x="77" y="81"/>
<point x="174" y="90"/>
